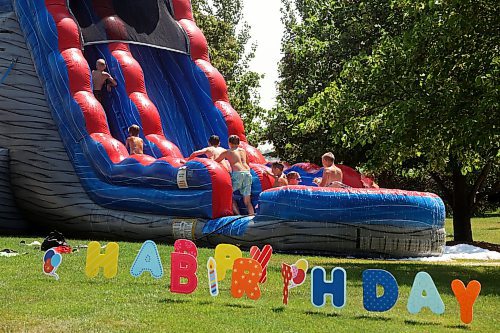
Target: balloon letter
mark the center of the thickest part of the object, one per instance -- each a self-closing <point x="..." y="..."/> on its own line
<point x="246" y="275"/>
<point x="466" y="296"/>
<point x="148" y="260"/>
<point x="96" y="260"/>
<point x="225" y="255"/>
<point x="372" y="278"/>
<point x="263" y="258"/>
<point x="416" y="301"/>
<point x="320" y="287"/>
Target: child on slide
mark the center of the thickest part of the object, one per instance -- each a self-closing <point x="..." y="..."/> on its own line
<point x="212" y="151"/>
<point x="134" y="143"/>
<point x="241" y="178"/>
<point x="101" y="78"/>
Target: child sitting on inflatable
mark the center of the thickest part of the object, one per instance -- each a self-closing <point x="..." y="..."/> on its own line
<point x="332" y="175"/>
<point x="293" y="178"/>
<point x="134" y="143"/>
<point x="212" y="152"/>
<point x="241" y="178"/>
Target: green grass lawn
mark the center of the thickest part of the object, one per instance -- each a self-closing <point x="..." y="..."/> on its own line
<point x="486" y="229"/>
<point x="33" y="302"/>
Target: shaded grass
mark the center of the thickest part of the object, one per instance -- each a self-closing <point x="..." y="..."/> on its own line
<point x="33" y="302"/>
<point x="486" y="229"/>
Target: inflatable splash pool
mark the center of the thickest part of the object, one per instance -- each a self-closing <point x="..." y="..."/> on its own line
<point x="63" y="163"/>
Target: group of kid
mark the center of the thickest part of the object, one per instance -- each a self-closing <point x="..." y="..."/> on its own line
<point x="234" y="159"/>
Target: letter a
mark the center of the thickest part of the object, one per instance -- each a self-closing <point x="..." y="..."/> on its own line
<point x="96" y="260"/>
<point x="147" y="260"/>
<point x="416" y="301"/>
<point x="321" y="287"/>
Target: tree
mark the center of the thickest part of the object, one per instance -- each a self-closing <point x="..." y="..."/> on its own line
<point x="228" y="36"/>
<point x="423" y="101"/>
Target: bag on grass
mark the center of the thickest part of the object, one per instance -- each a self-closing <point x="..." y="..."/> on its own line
<point x="54" y="239"/>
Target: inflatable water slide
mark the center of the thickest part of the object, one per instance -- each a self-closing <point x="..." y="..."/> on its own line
<point x="64" y="165"/>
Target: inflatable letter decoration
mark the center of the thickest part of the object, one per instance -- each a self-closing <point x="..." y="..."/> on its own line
<point x="148" y="260"/>
<point x="320" y="287"/>
<point x="96" y="260"/>
<point x="51" y="260"/>
<point x="372" y="278"/>
<point x="466" y="296"/>
<point x="416" y="301"/>
<point x="225" y="255"/>
<point x="263" y="258"/>
<point x="286" y="273"/>
<point x="246" y="275"/>
<point x="184" y="265"/>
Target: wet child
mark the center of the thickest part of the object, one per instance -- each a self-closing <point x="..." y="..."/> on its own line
<point x="212" y="151"/>
<point x="277" y="174"/>
<point x="241" y="178"/>
<point x="101" y="78"/>
<point x="134" y="143"/>
<point x="293" y="178"/>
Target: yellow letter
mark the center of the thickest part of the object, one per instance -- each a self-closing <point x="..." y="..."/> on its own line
<point x="96" y="260"/>
<point x="225" y="255"/>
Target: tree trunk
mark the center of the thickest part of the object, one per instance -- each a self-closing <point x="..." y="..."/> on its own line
<point x="461" y="208"/>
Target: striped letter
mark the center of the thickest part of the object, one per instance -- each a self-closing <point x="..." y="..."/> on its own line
<point x="96" y="260"/>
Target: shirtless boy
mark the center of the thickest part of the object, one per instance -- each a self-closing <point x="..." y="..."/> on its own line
<point x="212" y="152"/>
<point x="101" y="78"/>
<point x="332" y="176"/>
<point x="241" y="178"/>
<point x="277" y="174"/>
<point x="134" y="143"/>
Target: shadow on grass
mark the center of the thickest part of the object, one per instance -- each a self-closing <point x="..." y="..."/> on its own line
<point x="278" y="309"/>
<point x="204" y="302"/>
<point x="322" y="314"/>
<point x="174" y="301"/>
<point x="373" y="318"/>
<point x="420" y="322"/>
<point x="237" y="305"/>
<point x="460" y="327"/>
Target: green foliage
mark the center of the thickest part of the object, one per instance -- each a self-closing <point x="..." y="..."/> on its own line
<point x="228" y="37"/>
<point x="414" y="90"/>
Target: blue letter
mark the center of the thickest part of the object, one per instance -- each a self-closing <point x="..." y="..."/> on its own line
<point x="416" y="301"/>
<point x="147" y="259"/>
<point x="372" y="278"/>
<point x="320" y="287"/>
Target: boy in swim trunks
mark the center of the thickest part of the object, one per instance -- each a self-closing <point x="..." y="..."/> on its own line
<point x="134" y="143"/>
<point x="101" y="78"/>
<point x="212" y="152"/>
<point x="241" y="178"/>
